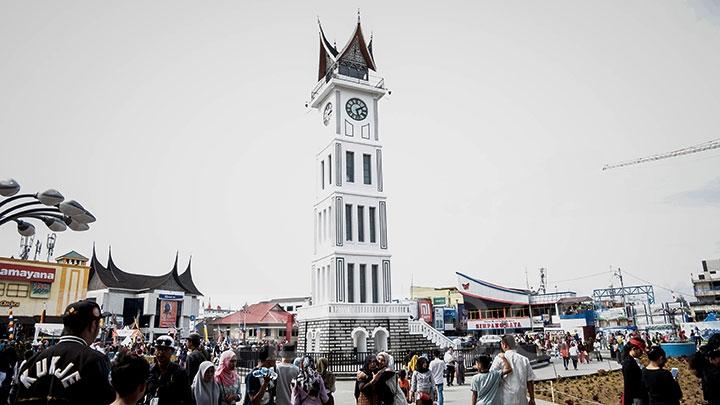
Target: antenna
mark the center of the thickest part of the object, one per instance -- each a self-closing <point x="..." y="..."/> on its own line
<point x="50" y="245"/>
<point x="541" y="289"/>
<point x="38" y="248"/>
<point x="26" y="243"/>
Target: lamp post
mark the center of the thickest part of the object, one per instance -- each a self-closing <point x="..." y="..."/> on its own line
<point x="48" y="206"/>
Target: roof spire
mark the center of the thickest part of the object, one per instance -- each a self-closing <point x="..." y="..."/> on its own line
<point x="358" y="16"/>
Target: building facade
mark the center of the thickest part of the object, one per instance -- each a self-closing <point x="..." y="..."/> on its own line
<point x="31" y="287"/>
<point x="706" y="287"/>
<point x="158" y="305"/>
<point x="351" y="275"/>
<point x="264" y="321"/>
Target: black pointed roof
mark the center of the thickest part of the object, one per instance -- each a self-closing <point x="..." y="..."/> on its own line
<point x="329" y="55"/>
<point x="112" y="276"/>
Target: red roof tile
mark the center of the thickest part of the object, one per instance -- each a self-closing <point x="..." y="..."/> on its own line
<point x="261" y="313"/>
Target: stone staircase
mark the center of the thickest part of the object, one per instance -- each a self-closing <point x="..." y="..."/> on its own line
<point x="420" y="327"/>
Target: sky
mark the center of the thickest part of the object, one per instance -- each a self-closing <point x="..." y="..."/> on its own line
<point x="182" y="126"/>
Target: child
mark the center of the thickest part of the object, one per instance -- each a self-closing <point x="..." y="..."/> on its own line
<point x="404" y="384"/>
<point x="485" y="385"/>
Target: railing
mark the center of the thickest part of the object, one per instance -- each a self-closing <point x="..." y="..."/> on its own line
<point x="420" y="327"/>
<point x="354" y="310"/>
<point x="372" y="81"/>
<point x="707" y="291"/>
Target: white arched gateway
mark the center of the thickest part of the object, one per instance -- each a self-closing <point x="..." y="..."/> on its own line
<point x="380" y="338"/>
<point x="359" y="338"/>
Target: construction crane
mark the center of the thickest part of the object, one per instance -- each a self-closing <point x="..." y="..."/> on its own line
<point x="714" y="144"/>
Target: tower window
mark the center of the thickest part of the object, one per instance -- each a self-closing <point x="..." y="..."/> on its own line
<point x="363" y="289"/>
<point x="374" y="283"/>
<point x="361" y="223"/>
<point x="329" y="169"/>
<point x="350" y="167"/>
<point x="322" y="174"/>
<point x="367" y="169"/>
<point x="348" y="222"/>
<point x="351" y="282"/>
<point x="371" y="219"/>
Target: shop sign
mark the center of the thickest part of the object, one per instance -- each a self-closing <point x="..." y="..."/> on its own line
<point x="439" y="319"/>
<point x="170" y="296"/>
<point x="425" y="310"/>
<point x="439" y="301"/>
<point x="40" y="290"/>
<point x="503" y="323"/>
<point x="20" y="272"/>
<point x="8" y="304"/>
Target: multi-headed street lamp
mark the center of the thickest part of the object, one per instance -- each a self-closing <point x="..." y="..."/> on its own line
<point x="48" y="206"/>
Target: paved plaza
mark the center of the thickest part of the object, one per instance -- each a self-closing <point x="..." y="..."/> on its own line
<point x="461" y="394"/>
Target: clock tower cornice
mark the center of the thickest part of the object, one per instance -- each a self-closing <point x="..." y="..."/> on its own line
<point x="375" y="88"/>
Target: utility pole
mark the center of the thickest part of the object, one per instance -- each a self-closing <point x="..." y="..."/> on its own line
<point x="622" y="294"/>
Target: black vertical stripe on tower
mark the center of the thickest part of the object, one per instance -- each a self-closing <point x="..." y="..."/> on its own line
<point x="387" y="290"/>
<point x="338" y="164"/>
<point x="375" y="118"/>
<point x="378" y="161"/>
<point x="337" y="112"/>
<point x="339" y="221"/>
<point x="340" y="279"/>
<point x="383" y="226"/>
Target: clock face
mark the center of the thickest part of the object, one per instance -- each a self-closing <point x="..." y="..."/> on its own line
<point x="327" y="113"/>
<point x="356" y="109"/>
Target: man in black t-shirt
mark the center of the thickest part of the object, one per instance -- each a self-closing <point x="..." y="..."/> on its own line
<point x="195" y="356"/>
<point x="69" y="372"/>
<point x="168" y="382"/>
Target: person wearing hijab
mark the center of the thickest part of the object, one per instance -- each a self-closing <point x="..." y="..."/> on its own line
<point x="365" y="383"/>
<point x="205" y="390"/>
<point x="228" y="379"/>
<point x="308" y="388"/>
<point x="391" y="392"/>
<point x="328" y="379"/>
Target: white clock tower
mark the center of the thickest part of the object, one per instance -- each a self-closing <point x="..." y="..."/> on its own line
<point x="352" y="306"/>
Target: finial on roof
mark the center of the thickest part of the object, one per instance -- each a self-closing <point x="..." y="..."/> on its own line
<point x="358" y="16"/>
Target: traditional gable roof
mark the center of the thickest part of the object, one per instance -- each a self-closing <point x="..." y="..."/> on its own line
<point x="187" y="281"/>
<point x="355" y="51"/>
<point x="262" y="313"/>
<point x="112" y="276"/>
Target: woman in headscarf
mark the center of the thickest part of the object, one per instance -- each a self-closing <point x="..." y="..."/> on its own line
<point x="390" y="393"/>
<point x="365" y="383"/>
<point x="228" y="378"/>
<point x="205" y="390"/>
<point x="328" y="379"/>
<point x="308" y="387"/>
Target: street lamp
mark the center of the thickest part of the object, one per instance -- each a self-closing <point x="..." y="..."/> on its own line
<point x="48" y="206"/>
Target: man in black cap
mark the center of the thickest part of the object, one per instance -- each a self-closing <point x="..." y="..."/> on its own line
<point x="168" y="383"/>
<point x="69" y="372"/>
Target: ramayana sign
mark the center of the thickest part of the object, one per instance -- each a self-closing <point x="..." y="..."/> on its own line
<point x="503" y="323"/>
<point x="21" y="272"/>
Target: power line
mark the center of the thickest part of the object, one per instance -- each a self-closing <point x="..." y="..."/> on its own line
<point x="659" y="286"/>
<point x="582" y="277"/>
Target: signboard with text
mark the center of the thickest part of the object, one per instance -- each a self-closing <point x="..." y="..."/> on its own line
<point x="439" y="319"/>
<point x="502" y="323"/>
<point x="425" y="311"/>
<point x="39" y="290"/>
<point x="21" y="272"/>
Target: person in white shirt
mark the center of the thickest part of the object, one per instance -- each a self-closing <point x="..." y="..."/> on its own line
<point x="449" y="359"/>
<point x="574" y="352"/>
<point x="437" y="368"/>
<point x="518" y="385"/>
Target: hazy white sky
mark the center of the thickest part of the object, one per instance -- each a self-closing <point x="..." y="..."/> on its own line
<point x="181" y="125"/>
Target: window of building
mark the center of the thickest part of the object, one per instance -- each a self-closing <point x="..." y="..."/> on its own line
<point x="375" y="287"/>
<point x="371" y="220"/>
<point x="268" y="332"/>
<point x="2" y="289"/>
<point x="361" y="223"/>
<point x="367" y="169"/>
<point x="17" y="290"/>
<point x="363" y="285"/>
<point x="294" y="332"/>
<point x="350" y="167"/>
<point x="351" y="282"/>
<point x="329" y="169"/>
<point x="348" y="222"/>
<point x="322" y="174"/>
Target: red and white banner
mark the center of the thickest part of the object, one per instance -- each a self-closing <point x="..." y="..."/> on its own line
<point x="168" y="313"/>
<point x="502" y="323"/>
<point x="22" y="272"/>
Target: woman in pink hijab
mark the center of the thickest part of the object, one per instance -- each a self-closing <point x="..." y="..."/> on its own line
<point x="228" y="378"/>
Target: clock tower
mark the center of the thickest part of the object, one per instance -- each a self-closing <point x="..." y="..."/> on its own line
<point x="350" y="274"/>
